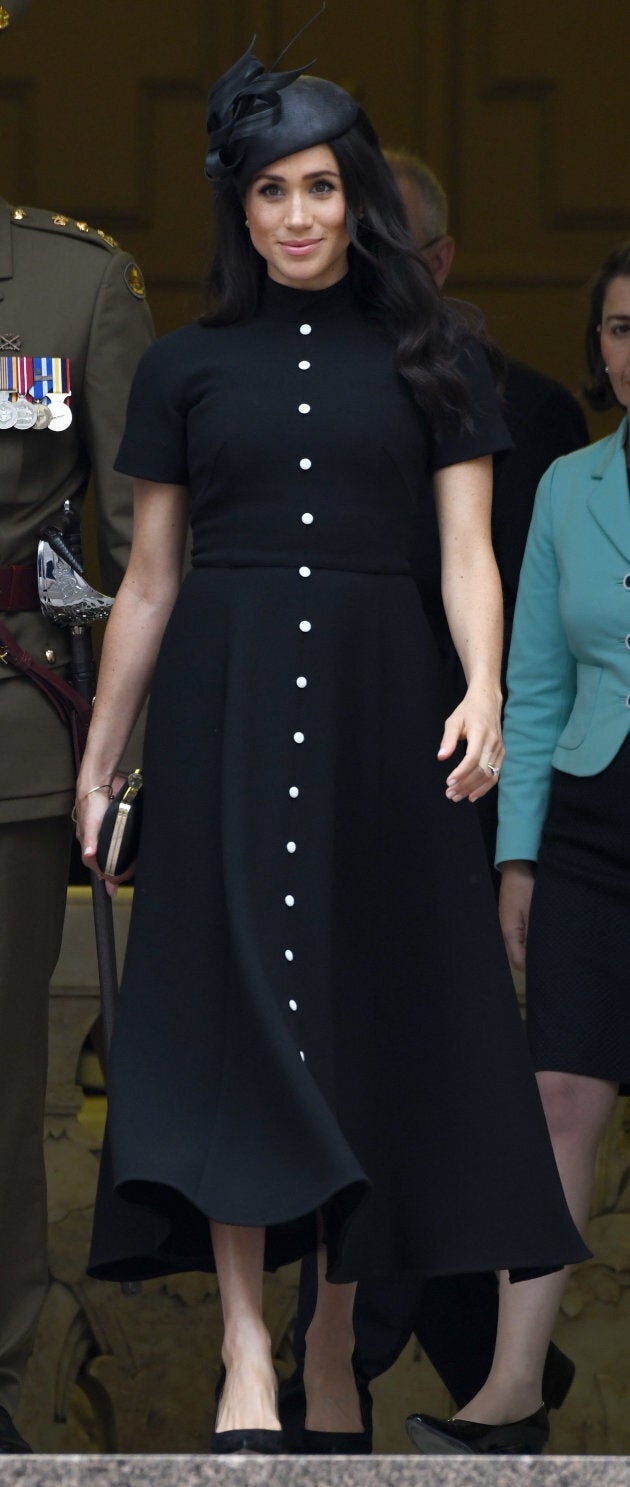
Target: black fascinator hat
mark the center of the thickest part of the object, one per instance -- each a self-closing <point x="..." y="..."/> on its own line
<point x="255" y="117"/>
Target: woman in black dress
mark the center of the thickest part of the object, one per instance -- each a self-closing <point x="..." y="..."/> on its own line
<point x="317" y="1036"/>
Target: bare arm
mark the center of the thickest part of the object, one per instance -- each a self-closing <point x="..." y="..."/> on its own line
<point x="515" y="898"/>
<point x="132" y="640"/>
<point x="471" y="590"/>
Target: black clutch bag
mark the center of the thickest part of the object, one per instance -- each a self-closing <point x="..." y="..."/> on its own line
<point x="119" y="836"/>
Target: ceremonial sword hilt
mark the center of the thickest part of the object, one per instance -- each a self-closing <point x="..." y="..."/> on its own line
<point x="65" y="596"/>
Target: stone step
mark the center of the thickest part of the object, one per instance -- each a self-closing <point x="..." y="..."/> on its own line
<point x="314" y="1471"/>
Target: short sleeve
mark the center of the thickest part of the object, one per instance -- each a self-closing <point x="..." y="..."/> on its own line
<point x="154" y="445"/>
<point x="488" y="433"/>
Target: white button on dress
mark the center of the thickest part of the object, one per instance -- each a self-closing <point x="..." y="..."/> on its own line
<point x="305" y="626"/>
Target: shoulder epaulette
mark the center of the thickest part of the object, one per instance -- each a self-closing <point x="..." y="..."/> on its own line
<point x="58" y="222"/>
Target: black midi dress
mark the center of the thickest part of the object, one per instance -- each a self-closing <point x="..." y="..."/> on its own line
<point x="316" y="1012"/>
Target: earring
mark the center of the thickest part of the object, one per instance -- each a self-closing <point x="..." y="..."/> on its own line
<point x="606" y="371"/>
<point x="247" y="221"/>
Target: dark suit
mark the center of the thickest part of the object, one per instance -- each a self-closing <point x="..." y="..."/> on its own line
<point x="454" y="1318"/>
<point x="65" y="291"/>
<point x="545" y="421"/>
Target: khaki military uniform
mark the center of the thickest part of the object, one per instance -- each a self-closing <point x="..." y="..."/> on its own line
<point x="68" y="291"/>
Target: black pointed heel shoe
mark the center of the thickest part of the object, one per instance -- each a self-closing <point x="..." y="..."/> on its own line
<point x="259" y="1442"/>
<point x="335" y="1443"/>
<point x="432" y="1437"/>
<point x="231" y="1442"/>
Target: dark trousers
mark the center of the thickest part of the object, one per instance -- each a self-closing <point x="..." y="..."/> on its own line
<point x="33" y="876"/>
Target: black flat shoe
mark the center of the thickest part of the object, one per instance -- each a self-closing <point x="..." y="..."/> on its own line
<point x="434" y="1437"/>
<point x="262" y="1442"/>
<point x="335" y="1443"/>
<point x="11" y="1442"/>
<point x="558" y="1376"/>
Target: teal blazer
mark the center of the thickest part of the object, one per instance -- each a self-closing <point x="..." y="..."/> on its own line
<point x="569" y="669"/>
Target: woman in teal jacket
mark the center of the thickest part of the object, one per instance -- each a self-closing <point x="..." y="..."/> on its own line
<point x="565" y="788"/>
<point x="564" y="844"/>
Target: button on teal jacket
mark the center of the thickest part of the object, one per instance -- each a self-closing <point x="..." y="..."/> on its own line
<point x="569" y="669"/>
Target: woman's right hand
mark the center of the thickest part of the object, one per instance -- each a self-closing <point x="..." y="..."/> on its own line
<point x="515" y="897"/>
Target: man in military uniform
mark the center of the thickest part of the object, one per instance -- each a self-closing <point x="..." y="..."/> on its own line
<point x="69" y="294"/>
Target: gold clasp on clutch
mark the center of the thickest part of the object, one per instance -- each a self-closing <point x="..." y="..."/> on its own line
<point x="134" y="785"/>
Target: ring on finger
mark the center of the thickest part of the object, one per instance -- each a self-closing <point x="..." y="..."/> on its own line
<point x="493" y="768"/>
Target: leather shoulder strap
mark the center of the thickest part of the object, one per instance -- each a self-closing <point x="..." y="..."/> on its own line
<point x="70" y="706"/>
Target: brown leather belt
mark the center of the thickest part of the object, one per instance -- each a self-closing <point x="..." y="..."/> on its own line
<point x="18" y="587"/>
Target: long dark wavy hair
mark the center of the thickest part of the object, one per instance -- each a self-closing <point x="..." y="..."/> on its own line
<point x="388" y="274"/>
<point x="599" y="393"/>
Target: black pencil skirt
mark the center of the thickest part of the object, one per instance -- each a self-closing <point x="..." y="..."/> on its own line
<point x="578" y="979"/>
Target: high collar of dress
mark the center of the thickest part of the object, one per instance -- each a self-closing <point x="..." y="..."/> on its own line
<point x="281" y="302"/>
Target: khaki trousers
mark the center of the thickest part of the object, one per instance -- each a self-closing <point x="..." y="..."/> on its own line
<point x="33" y="877"/>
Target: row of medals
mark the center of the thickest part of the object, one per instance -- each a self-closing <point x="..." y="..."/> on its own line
<point x="54" y="414"/>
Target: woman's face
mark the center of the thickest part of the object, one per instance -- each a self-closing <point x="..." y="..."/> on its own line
<point x="297" y="219"/>
<point x="614" y="337"/>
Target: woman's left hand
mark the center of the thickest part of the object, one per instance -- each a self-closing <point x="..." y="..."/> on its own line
<point x="89" y="810"/>
<point x="478" y="720"/>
